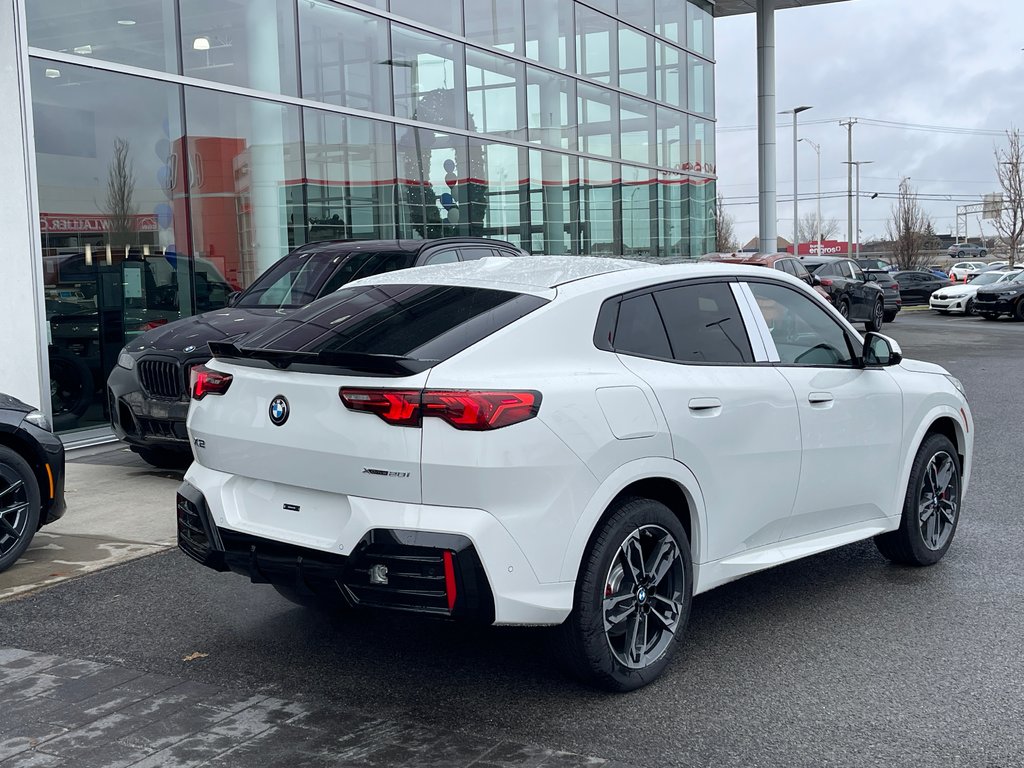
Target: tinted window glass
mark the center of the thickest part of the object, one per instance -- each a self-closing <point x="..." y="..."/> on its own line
<point x="360" y="265"/>
<point x="640" y="330"/>
<point x="704" y="324"/>
<point x="803" y="332"/>
<point x="785" y="265"/>
<point x="293" y="282"/>
<point x="854" y="271"/>
<point x="798" y="270"/>
<point x="426" y="322"/>
<point x="472" y="254"/>
<point x="442" y="257"/>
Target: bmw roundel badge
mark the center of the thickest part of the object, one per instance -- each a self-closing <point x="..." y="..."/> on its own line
<point x="279" y="410"/>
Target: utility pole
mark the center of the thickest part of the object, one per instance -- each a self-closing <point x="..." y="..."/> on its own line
<point x="858" y="163"/>
<point x="817" y="151"/>
<point x="849" y="183"/>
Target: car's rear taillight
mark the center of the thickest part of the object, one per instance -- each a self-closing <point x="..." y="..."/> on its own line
<point x="204" y="381"/>
<point x="825" y="281"/>
<point x="473" y="410"/>
<point x="151" y="324"/>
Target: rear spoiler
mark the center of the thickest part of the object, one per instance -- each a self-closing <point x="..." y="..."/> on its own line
<point x="356" y="362"/>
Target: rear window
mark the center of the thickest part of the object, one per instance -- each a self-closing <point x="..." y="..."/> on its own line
<point x="428" y="323"/>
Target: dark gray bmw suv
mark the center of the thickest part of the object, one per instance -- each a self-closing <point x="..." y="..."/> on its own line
<point x="148" y="388"/>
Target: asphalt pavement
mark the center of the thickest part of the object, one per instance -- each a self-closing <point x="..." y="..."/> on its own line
<point x="840" y="659"/>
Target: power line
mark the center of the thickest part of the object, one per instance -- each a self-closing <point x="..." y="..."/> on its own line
<point x="878" y="123"/>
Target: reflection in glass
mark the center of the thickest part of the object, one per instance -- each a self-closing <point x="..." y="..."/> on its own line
<point x="112" y="226"/>
<point x="598" y="120"/>
<point x="599" y="223"/>
<point x="141" y="33"/>
<point x="502" y="168"/>
<point x="639" y="12"/>
<point x="429" y="78"/>
<point x="250" y="43"/>
<point x="350" y="171"/>
<point x="667" y="75"/>
<point x="554" y="220"/>
<point x="494" y="89"/>
<point x="596" y="46"/>
<point x="637" y="130"/>
<point x="673" y="216"/>
<point x="343" y="55"/>
<point x="700" y="35"/>
<point x="670" y="20"/>
<point x="701" y="156"/>
<point x="246" y="191"/>
<point x="497" y="23"/>
<point x="441" y="14"/>
<point x="639" y="211"/>
<point x="702" y="216"/>
<point x="550" y="33"/>
<point x="671" y="137"/>
<point x="551" y="106"/>
<point x="634" y="60"/>
<point x="439" y="191"/>
<point x="700" y="86"/>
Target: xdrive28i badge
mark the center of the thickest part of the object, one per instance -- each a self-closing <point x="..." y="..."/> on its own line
<point x="279" y="410"/>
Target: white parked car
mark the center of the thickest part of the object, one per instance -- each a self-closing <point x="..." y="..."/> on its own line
<point x="959" y="271"/>
<point x="566" y="441"/>
<point x="959" y="297"/>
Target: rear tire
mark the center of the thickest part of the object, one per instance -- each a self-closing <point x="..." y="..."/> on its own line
<point x="632" y="598"/>
<point x="165" y="458"/>
<point x="19" y="507"/>
<point x="844" y="308"/>
<point x="931" y="508"/>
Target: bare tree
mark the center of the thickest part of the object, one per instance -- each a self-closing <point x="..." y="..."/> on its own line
<point x="121" y="195"/>
<point x="725" y="231"/>
<point x="807" y="228"/>
<point x="1009" y="171"/>
<point x="907" y="228"/>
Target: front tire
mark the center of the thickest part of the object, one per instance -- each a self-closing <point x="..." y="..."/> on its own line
<point x="844" y="309"/>
<point x="19" y="507"/>
<point x="877" y="318"/>
<point x="1018" y="311"/>
<point x="969" y="308"/>
<point x="632" y="598"/>
<point x="931" y="508"/>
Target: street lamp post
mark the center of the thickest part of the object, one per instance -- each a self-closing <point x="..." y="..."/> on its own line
<point x="796" y="216"/>
<point x="817" y="151"/>
<point x="857" y="164"/>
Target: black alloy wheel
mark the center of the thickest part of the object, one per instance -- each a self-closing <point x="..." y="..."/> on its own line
<point x="931" y="508"/>
<point x="19" y="507"/>
<point x="632" y="598"/>
<point x="877" y="317"/>
<point x="844" y="308"/>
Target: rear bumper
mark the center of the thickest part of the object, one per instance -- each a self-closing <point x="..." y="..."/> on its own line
<point x="485" y="576"/>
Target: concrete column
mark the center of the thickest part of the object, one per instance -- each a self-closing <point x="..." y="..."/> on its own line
<point x="767" y="198"/>
<point x="24" y="370"/>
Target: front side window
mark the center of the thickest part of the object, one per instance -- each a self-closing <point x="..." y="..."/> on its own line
<point x="804" y="333"/>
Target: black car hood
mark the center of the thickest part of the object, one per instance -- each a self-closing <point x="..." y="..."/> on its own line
<point x="228" y="324"/>
<point x="9" y="403"/>
<point x="1000" y="288"/>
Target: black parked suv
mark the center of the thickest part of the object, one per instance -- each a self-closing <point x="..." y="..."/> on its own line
<point x="858" y="299"/>
<point x="1007" y="297"/>
<point x="148" y="388"/>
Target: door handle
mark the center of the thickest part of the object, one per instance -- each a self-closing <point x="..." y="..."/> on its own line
<point x="820" y="398"/>
<point x="705" y="405"/>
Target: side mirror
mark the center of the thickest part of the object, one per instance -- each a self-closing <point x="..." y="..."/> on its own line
<point x="881" y="351"/>
<point x="233" y="298"/>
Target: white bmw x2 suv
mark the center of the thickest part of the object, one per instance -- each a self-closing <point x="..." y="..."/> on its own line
<point x="565" y="440"/>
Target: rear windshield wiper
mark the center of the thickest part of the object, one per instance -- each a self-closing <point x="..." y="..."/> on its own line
<point x="395" y="365"/>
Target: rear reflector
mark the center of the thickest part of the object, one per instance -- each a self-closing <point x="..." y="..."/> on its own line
<point x="474" y="410"/>
<point x="204" y="381"/>
<point x="449" y="579"/>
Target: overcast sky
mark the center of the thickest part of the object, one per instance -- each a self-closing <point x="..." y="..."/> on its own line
<point x="949" y="63"/>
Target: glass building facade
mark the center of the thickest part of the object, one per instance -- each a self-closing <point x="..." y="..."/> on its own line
<point x="183" y="146"/>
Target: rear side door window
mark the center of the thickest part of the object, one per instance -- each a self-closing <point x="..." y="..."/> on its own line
<point x="442" y="257"/>
<point x="640" y="330"/>
<point x="704" y="324"/>
<point x="473" y="254"/>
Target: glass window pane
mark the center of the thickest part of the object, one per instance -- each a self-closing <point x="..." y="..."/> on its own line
<point x="344" y="55"/>
<point x="497" y="23"/>
<point x="701" y="157"/>
<point x="429" y="78"/>
<point x="670" y="20"/>
<point x="494" y="89"/>
<point x="637" y="130"/>
<point x="670" y="84"/>
<point x="141" y="33"/>
<point x="598" y="120"/>
<point x="550" y="33"/>
<point x="702" y="216"/>
<point x="700" y="86"/>
<point x="639" y="12"/>
<point x="434" y="183"/>
<point x="674" y="216"/>
<point x="350" y="168"/>
<point x="640" y="330"/>
<point x="553" y="226"/>
<point x="494" y="192"/>
<point x="703" y="324"/>
<point x="598" y="220"/>
<point x="551" y="106"/>
<point x="605" y="5"/>
<point x="634" y="60"/>
<point x="112" y="223"/>
<point x="250" y="43"/>
<point x="441" y="14"/>
<point x="596" y="45"/>
<point x="244" y="153"/>
<point x="803" y="332"/>
<point x="700" y="32"/>
<point x="671" y="137"/>
<point x="639" y="210"/>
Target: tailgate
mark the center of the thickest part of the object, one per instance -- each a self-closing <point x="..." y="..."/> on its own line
<point x="320" y="445"/>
